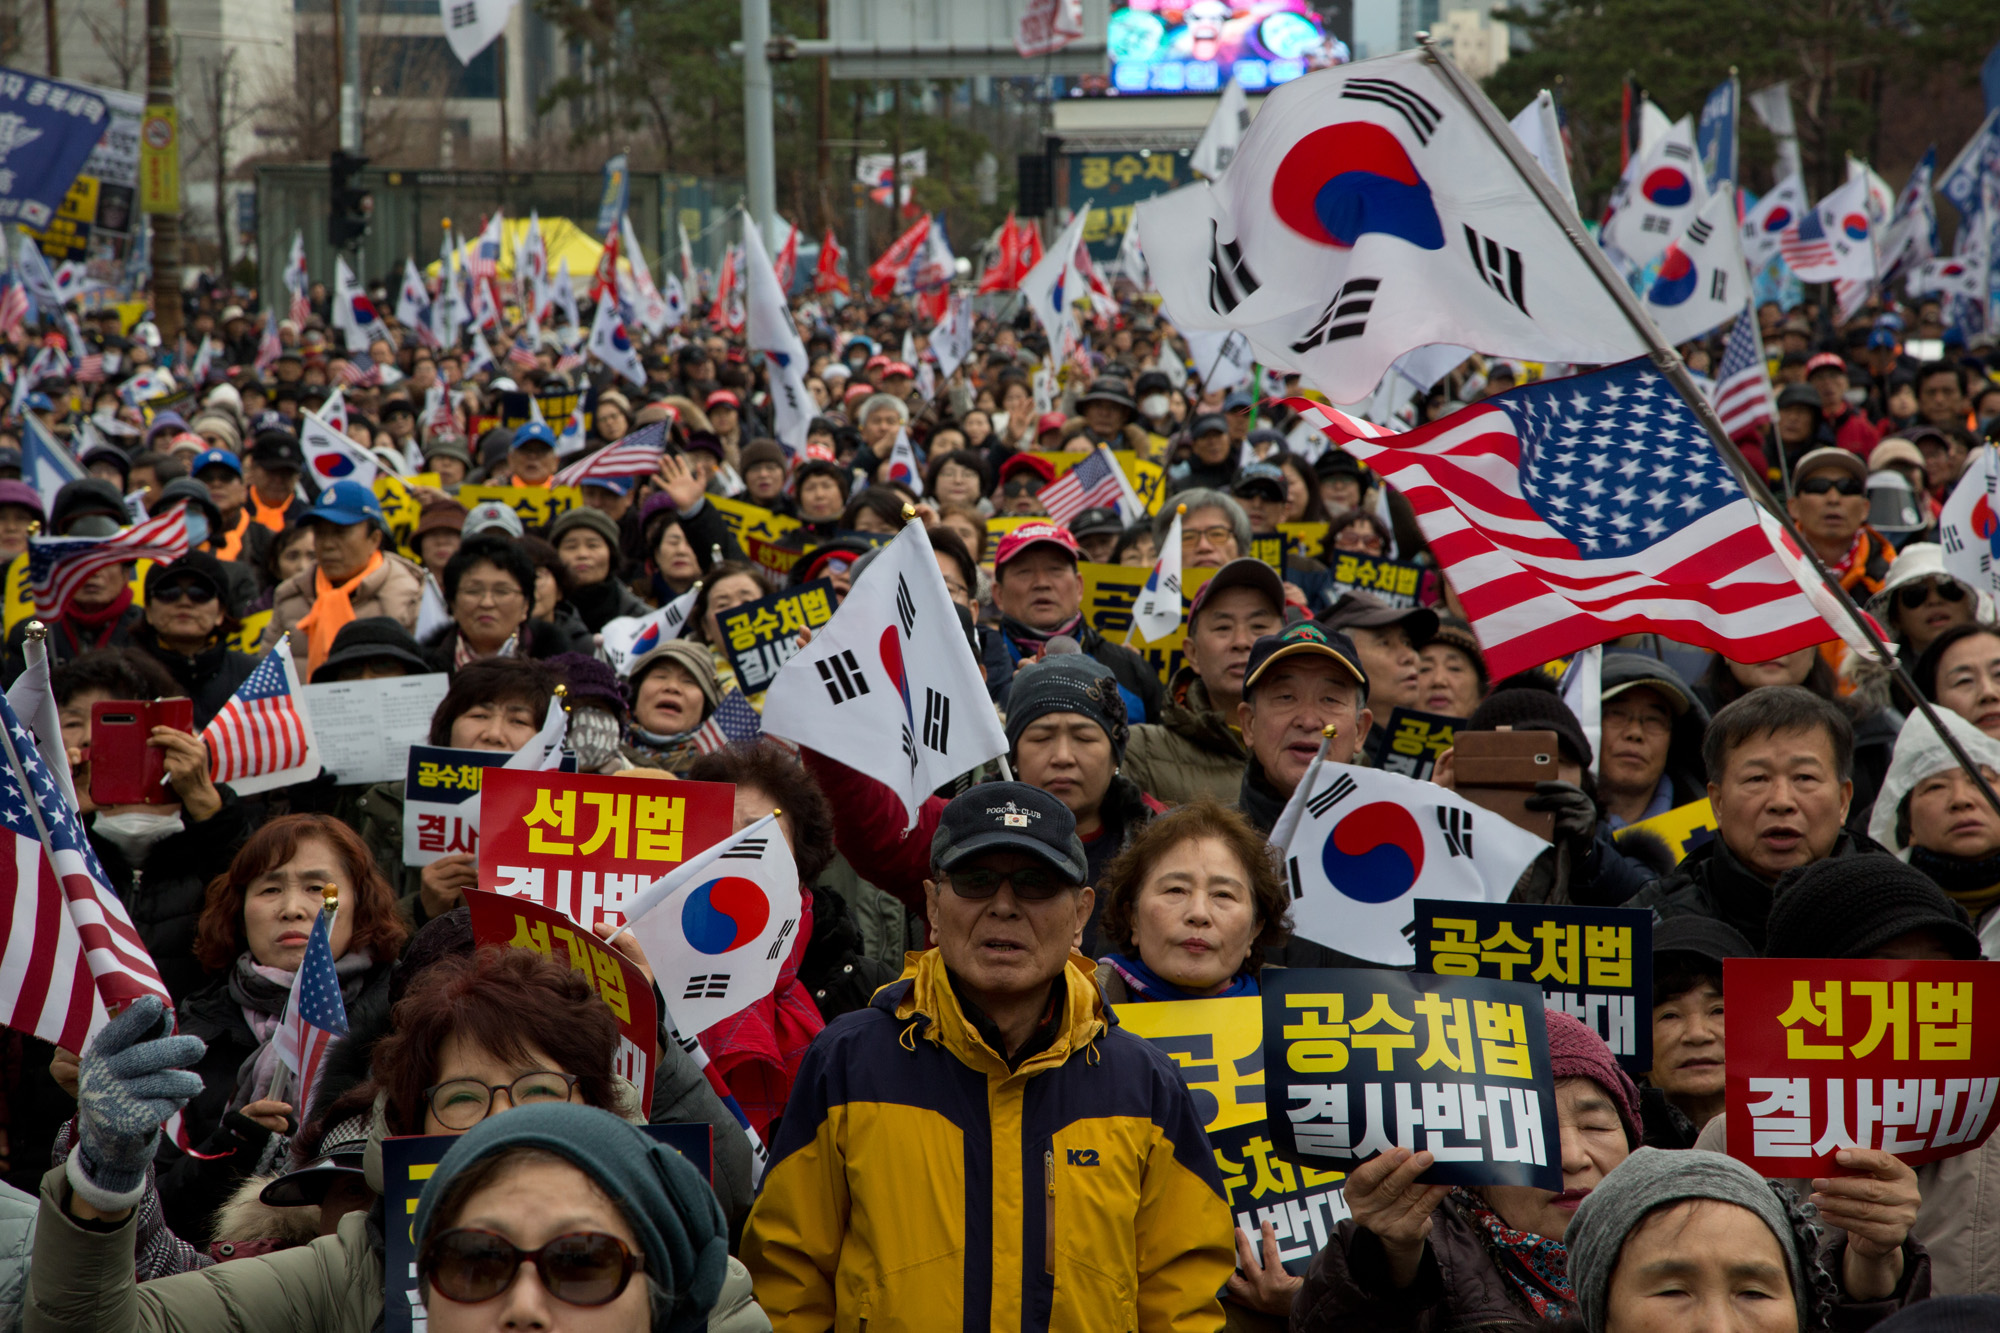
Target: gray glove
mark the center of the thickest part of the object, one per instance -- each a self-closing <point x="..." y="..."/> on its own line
<point x="133" y="1077"/>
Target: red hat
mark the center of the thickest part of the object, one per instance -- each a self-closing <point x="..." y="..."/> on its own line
<point x="855" y="391"/>
<point x="1019" y="463"/>
<point x="1051" y="421"/>
<point x="875" y="363"/>
<point x="722" y="398"/>
<point x="1826" y="361"/>
<point x="1576" y="1051"/>
<point x="1037" y="533"/>
<point x="898" y="368"/>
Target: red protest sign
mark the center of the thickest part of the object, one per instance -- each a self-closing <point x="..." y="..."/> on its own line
<point x="523" y="924"/>
<point x="587" y="845"/>
<point x="1827" y="1054"/>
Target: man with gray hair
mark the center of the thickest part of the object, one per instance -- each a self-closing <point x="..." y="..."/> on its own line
<point x="880" y="417"/>
<point x="1214" y="530"/>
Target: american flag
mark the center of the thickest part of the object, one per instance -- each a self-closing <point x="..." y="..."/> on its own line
<point x="733" y="722"/>
<point x="634" y="456"/>
<point x="90" y="369"/>
<point x="1091" y="484"/>
<point x="569" y="361"/>
<point x="1571" y="511"/>
<point x="1805" y="245"/>
<point x="58" y="566"/>
<point x="521" y="353"/>
<point x="314" y="1015"/>
<point x="350" y="374"/>
<point x="13" y="304"/>
<point x="269" y="347"/>
<point x="1742" y="390"/>
<point x="298" y="281"/>
<point x="260" y="732"/>
<point x="482" y="261"/>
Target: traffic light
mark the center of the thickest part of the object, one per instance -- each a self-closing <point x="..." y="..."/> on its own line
<point x="349" y="206"/>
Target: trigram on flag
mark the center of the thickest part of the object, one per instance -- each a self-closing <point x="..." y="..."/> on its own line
<point x="314" y="1015"/>
<point x="1742" y="390"/>
<point x="1091" y="484"/>
<point x="58" y="566"/>
<point x="262" y="732"/>
<point x="1556" y="540"/>
<point x="637" y="455"/>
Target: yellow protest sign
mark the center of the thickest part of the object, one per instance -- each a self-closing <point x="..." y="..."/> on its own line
<point x="1306" y="539"/>
<point x="1108" y="594"/>
<point x="251" y="633"/>
<point x="538" y="506"/>
<point x="1683" y="828"/>
<point x="400" y="510"/>
<point x="749" y="522"/>
<point x="68" y="233"/>
<point x="1215" y="1042"/>
<point x="19" y="594"/>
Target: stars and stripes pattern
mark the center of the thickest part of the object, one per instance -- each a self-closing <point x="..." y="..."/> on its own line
<point x="1091" y="484"/>
<point x="734" y="722"/>
<point x="58" y="566"/>
<point x="1806" y="246"/>
<point x="1571" y="511"/>
<point x="357" y="376"/>
<point x="1742" y="390"/>
<point x="13" y="304"/>
<point x="260" y="731"/>
<point x="298" y="281"/>
<point x="634" y="456"/>
<point x="314" y="1015"/>
<point x="482" y="260"/>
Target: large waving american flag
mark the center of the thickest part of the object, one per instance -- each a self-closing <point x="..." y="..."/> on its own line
<point x="58" y="566"/>
<point x="262" y="737"/>
<point x="637" y="455"/>
<point x="1571" y="511"/>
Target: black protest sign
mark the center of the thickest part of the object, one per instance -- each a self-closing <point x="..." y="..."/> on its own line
<point x="1411" y="742"/>
<point x="1358" y="1061"/>
<point x="760" y="637"/>
<point x="1593" y="963"/>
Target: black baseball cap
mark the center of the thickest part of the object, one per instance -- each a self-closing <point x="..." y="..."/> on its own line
<point x="1242" y="572"/>
<point x="1703" y="937"/>
<point x="1009" y="817"/>
<point x="1097" y="522"/>
<point x="1305" y="639"/>
<point x="276" y="450"/>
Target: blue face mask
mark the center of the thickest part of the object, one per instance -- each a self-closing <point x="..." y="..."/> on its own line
<point x="197" y="527"/>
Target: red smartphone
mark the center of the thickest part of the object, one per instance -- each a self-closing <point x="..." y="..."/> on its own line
<point x="124" y="769"/>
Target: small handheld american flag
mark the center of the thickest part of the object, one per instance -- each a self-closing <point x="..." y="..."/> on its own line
<point x="734" y="722"/>
<point x="634" y="456"/>
<point x="314" y="1015"/>
<point x="1091" y="484"/>
<point x="262" y="738"/>
<point x="1742" y="389"/>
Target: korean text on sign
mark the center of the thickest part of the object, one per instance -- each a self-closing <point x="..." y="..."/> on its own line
<point x="1358" y="1061"/>
<point x="441" y="802"/>
<point x="515" y="923"/>
<point x="587" y="845"/>
<point x="1411" y="742"/>
<point x="1218" y="1047"/>
<point x="1826" y="1054"/>
<point x="761" y="636"/>
<point x="1593" y="963"/>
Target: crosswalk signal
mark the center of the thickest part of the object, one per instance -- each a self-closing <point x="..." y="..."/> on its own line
<point x="350" y="208"/>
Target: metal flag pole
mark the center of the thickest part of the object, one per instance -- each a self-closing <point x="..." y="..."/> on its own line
<point x="1675" y="370"/>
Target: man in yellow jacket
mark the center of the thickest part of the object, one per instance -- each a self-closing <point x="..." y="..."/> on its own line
<point x="983" y="1147"/>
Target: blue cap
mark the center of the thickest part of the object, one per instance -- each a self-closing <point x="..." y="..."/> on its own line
<point x="39" y="402"/>
<point x="1882" y="340"/>
<point x="215" y="458"/>
<point x="1237" y="401"/>
<point x="347" y="503"/>
<point x="616" y="485"/>
<point x="535" y="432"/>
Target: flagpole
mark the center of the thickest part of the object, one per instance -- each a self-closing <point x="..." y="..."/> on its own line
<point x="1669" y="363"/>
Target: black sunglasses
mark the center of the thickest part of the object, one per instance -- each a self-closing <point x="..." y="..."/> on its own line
<point x="198" y="593"/>
<point x="1030" y="883"/>
<point x="579" y="1268"/>
<point x="1913" y="595"/>
<point x="1847" y="486"/>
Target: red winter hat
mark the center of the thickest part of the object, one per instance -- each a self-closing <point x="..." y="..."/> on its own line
<point x="1039" y="533"/>
<point x="1576" y="1051"/>
<point x="1020" y="463"/>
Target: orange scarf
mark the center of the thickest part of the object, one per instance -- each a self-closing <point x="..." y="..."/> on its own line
<point x="332" y="608"/>
<point x="271" y="516"/>
<point x="232" y="541"/>
<point x="547" y="483"/>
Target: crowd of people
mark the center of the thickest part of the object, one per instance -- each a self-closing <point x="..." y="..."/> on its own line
<point x="959" y="1132"/>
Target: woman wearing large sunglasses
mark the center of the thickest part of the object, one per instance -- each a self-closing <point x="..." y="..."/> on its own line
<point x="1920" y="601"/>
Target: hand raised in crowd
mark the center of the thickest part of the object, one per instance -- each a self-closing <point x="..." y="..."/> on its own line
<point x="1261" y="1281"/>
<point x="1384" y="1197"/>
<point x="188" y="772"/>
<point x="442" y="883"/>
<point x="1575" y="812"/>
<point x="1876" y="1208"/>
<point x="679" y="481"/>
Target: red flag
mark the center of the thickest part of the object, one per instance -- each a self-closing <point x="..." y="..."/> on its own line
<point x="787" y="262"/>
<point x="828" y="277"/>
<point x="606" y="277"/>
<point x="724" y="311"/>
<point x="1003" y="274"/>
<point x="1031" y="252"/>
<point x="892" y="269"/>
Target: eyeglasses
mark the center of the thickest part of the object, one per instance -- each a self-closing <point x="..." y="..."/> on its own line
<point x="578" y="1268"/>
<point x="197" y="593"/>
<point x="499" y="595"/>
<point x="1914" y="595"/>
<point x="1030" y="883"/>
<point x="1214" y="536"/>
<point x="461" y="1103"/>
<point x="1847" y="486"/>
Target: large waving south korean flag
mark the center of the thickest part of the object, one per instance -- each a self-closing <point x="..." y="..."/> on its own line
<point x="1369" y="843"/>
<point x="1369" y="212"/>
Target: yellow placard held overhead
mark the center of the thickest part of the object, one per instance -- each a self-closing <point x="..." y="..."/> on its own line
<point x="160" y="160"/>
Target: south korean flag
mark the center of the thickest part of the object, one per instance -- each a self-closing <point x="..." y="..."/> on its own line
<point x="1369" y="843"/>
<point x="889" y="686"/>
<point x="1701" y="282"/>
<point x="718" y="928"/>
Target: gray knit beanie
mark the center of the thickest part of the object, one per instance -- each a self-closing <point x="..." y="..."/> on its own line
<point x="1649" y="1179"/>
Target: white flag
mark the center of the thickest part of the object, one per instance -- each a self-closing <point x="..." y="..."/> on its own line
<point x="562" y="294"/>
<point x="1053" y="285"/>
<point x="770" y="330"/>
<point x="610" y="344"/>
<point x="653" y="309"/>
<point x="1966" y="526"/>
<point x="1369" y="843"/>
<point x="1338" y="270"/>
<point x="545" y="750"/>
<point x="1132" y="256"/>
<point x="471" y="25"/>
<point x="353" y="313"/>
<point x="331" y="456"/>
<point x="892" y="663"/>
<point x="1701" y="280"/>
<point x="718" y="928"/>
<point x="1222" y="358"/>
<point x="1775" y="214"/>
<point x="1157" y="612"/>
<point x="903" y="463"/>
<point x="413" y="302"/>
<point x="1225" y="132"/>
<point x="951" y="340"/>
<point x="1660" y="194"/>
<point x="1541" y="134"/>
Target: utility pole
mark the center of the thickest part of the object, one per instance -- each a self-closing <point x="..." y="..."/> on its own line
<point x="166" y="226"/>
<point x="348" y="30"/>
<point x="896" y="167"/>
<point x="760" y="168"/>
<point x="823" y="122"/>
<point x="55" y="46"/>
<point x="500" y="64"/>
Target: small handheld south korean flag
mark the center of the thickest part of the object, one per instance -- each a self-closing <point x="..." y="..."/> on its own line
<point x="1157" y="612"/>
<point x="1369" y="843"/>
<point x="891" y="672"/>
<point x="718" y="929"/>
